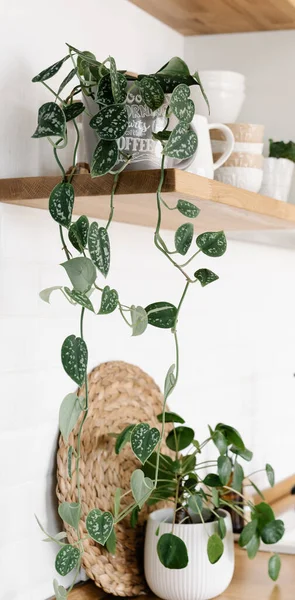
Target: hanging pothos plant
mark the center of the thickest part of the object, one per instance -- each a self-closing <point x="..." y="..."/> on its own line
<point x="86" y="270"/>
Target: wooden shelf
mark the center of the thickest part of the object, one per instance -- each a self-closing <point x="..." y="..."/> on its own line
<point x="200" y="17"/>
<point x="222" y="206"/>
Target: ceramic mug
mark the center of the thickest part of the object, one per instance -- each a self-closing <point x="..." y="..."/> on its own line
<point x="202" y="162"/>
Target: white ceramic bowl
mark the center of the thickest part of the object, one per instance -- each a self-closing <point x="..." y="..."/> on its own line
<point x="225" y="105"/>
<point x="199" y="580"/>
<point x="247" y="178"/>
<point x="223" y="78"/>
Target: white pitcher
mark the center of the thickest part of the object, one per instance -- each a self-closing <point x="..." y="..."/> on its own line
<point x="202" y="161"/>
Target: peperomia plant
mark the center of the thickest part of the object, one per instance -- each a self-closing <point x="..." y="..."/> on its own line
<point x="87" y="251"/>
<point x="198" y="494"/>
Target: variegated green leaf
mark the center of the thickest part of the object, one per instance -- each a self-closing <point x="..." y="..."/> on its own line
<point x="152" y="92"/>
<point x="72" y="111"/>
<point x="123" y="438"/>
<point x="205" y="276"/>
<point x="61" y="202"/>
<point x="70" y="513"/>
<point x="99" y="525"/>
<point x="181" y="104"/>
<point x="66" y="80"/>
<point x="80" y="298"/>
<point x="188" y="209"/>
<point x="50" y="71"/>
<point x="182" y="143"/>
<point x="60" y="591"/>
<point x="212" y="243"/>
<point x="78" y="233"/>
<point x="51" y="121"/>
<point x="139" y="320"/>
<point x="81" y="272"/>
<point x="74" y="356"/>
<point x="104" y="157"/>
<point x="109" y="301"/>
<point x="110" y="122"/>
<point x="118" y="83"/>
<point x="144" y="440"/>
<point x="104" y="93"/>
<point x="141" y="487"/>
<point x="99" y="247"/>
<point x="183" y="238"/>
<point x="161" y="314"/>
<point x="69" y="414"/>
<point x="67" y="559"/>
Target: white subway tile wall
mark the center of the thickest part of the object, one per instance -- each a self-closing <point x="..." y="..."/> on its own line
<point x="237" y="340"/>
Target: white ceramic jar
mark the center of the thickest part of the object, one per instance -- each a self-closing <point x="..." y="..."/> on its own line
<point x="277" y="178"/>
<point x="199" y="580"/>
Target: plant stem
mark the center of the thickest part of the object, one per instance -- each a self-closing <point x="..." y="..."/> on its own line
<point x="64" y="246"/>
<point x="75" y="150"/>
<point x="52" y="91"/>
<point x="115" y="183"/>
<point x="59" y="163"/>
<point x="190" y="259"/>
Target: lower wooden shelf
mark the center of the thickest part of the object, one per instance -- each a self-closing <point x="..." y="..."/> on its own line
<point x="222" y="206"/>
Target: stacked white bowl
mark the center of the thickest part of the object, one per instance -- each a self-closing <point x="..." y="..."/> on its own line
<point x="226" y="94"/>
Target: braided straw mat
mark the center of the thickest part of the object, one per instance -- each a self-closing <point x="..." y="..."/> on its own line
<point x="119" y="394"/>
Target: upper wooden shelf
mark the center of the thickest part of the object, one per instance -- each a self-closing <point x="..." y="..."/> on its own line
<point x="200" y="17"/>
<point x="222" y="206"/>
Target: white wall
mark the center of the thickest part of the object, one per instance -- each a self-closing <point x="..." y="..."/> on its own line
<point x="267" y="61"/>
<point x="33" y="36"/>
<point x="237" y="336"/>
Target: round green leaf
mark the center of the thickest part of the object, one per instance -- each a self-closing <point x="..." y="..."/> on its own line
<point x="61" y="202"/>
<point x="214" y="548"/>
<point x="109" y="301"/>
<point x="175" y="66"/>
<point x="139" y="320"/>
<point x="188" y="209"/>
<point x="232" y="435"/>
<point x="81" y="272"/>
<point x="172" y="551"/>
<point x="51" y="121"/>
<point x="123" y="438"/>
<point x="144" y="440"/>
<point x="67" y="559"/>
<point x="183" y="238"/>
<point x="152" y="92"/>
<point x="74" y="356"/>
<point x="274" y="566"/>
<point x="219" y="441"/>
<point x="72" y="111"/>
<point x="182" y="143"/>
<point x="245" y="454"/>
<point x="161" y="314"/>
<point x="99" y="247"/>
<point x="99" y="525"/>
<point x="50" y="71"/>
<point x="69" y="414"/>
<point x="78" y="233"/>
<point x="253" y="546"/>
<point x="104" y="157"/>
<point x="272" y="532"/>
<point x="270" y="474"/>
<point x="195" y="503"/>
<point x="212" y="243"/>
<point x="247" y="533"/>
<point x="205" y="276"/>
<point x="212" y="480"/>
<point x="238" y="477"/>
<point x="170" y="417"/>
<point x="70" y="512"/>
<point x="180" y="438"/>
<point x="224" y="469"/>
<point x="181" y="105"/>
<point x="110" y="122"/>
<point x="264" y="514"/>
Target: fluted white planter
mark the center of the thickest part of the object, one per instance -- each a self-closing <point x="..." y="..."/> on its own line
<point x="199" y="580"/>
<point x="277" y="178"/>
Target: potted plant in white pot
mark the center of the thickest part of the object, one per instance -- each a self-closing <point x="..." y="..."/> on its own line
<point x="189" y="547"/>
<point x="278" y="170"/>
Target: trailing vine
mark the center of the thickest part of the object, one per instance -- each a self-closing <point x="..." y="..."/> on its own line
<point x="109" y="89"/>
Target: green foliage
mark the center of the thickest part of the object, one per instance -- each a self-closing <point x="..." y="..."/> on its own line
<point x="61" y="202"/>
<point x="273" y="532"/>
<point x="123" y="438"/>
<point x="180" y="438"/>
<point x="188" y="209"/>
<point x="205" y="276"/>
<point x="172" y="551"/>
<point x="111" y="543"/>
<point x="60" y="591"/>
<point x="141" y="487"/>
<point x="78" y="233"/>
<point x="152" y="92"/>
<point x="50" y="71"/>
<point x="274" y="566"/>
<point x="270" y="474"/>
<point x="238" y="477"/>
<point x="110" y="122"/>
<point x="221" y="528"/>
<point x="69" y="414"/>
<point x="161" y="314"/>
<point x="72" y="111"/>
<point x="195" y="503"/>
<point x="182" y="143"/>
<point x="170" y="417"/>
<point x="99" y="525"/>
<point x="197" y="78"/>
<point x="99" y="247"/>
<point x="253" y="546"/>
<point x="181" y="105"/>
<point x="214" y="548"/>
<point x="139" y="320"/>
<point x="183" y="238"/>
<point x="109" y="301"/>
<point x="212" y="480"/>
<point x="51" y="121"/>
<point x="248" y="532"/>
<point x="224" y="465"/>
<point x="104" y="158"/>
<point x="74" y="356"/>
<point x="144" y="440"/>
<point x="67" y="559"/>
<point x="169" y="385"/>
<point x="282" y="150"/>
<point x="212" y="244"/>
<point x="118" y="83"/>
<point x="81" y="272"/>
<point x="70" y="512"/>
<point x="231" y="435"/>
<point x="79" y="298"/>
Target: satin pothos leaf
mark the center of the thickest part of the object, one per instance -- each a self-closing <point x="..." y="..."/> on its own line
<point x="69" y="414"/>
<point x="81" y="272"/>
<point x="181" y="104"/>
<point x="212" y="243"/>
<point x="141" y="487"/>
<point x="50" y="71"/>
<point x="51" y="121"/>
<point x="161" y="314"/>
<point x="78" y="233"/>
<point x="182" y="143"/>
<point x="61" y="202"/>
<point x="183" y="238"/>
<point x="205" y="276"/>
<point x="80" y="298"/>
<point x="109" y="301"/>
<point x="67" y="559"/>
<point x="143" y="440"/>
<point x="99" y="247"/>
<point x="99" y="525"/>
<point x="188" y="209"/>
<point x="152" y="92"/>
<point x="118" y="83"/>
<point x="110" y="122"/>
<point x="72" y="111"/>
<point x="104" y="158"/>
<point x="74" y="356"/>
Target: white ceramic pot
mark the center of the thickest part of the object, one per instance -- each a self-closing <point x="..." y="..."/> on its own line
<point x="248" y="178"/>
<point x="226" y="94"/>
<point x="199" y="580"/>
<point x="277" y="178"/>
